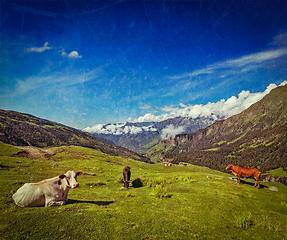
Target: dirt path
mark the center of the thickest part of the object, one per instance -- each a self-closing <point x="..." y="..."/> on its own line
<point x="36" y="153"/>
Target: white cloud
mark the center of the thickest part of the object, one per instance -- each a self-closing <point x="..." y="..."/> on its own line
<point x="183" y="105"/>
<point x="225" y="72"/>
<point x="145" y="106"/>
<point x="152" y="118"/>
<point x="222" y="108"/>
<point x="236" y="66"/>
<point x="54" y="81"/>
<point x="118" y="129"/>
<point x="280" y="39"/>
<point x="63" y="53"/>
<point x="73" y="54"/>
<point x="253" y="58"/>
<point x="40" y="49"/>
<point x="169" y="109"/>
<point x="171" y="131"/>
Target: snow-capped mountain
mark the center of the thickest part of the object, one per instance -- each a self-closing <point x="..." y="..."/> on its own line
<point x="141" y="136"/>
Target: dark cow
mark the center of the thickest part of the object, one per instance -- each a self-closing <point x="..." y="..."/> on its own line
<point x="240" y="171"/>
<point x="127" y="176"/>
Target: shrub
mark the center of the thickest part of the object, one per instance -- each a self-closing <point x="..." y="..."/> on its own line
<point x="181" y="178"/>
<point x="156" y="181"/>
<point x="160" y="192"/>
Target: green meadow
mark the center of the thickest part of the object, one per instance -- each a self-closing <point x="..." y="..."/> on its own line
<point x="163" y="202"/>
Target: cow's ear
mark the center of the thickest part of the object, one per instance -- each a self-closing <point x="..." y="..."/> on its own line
<point x="62" y="176"/>
<point x="78" y="173"/>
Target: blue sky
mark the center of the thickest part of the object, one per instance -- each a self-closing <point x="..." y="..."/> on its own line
<point x="82" y="63"/>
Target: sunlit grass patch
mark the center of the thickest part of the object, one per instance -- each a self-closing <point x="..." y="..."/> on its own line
<point x="188" y="178"/>
<point x="266" y="223"/>
<point x="160" y="191"/>
<point x="129" y="194"/>
<point x="249" y="220"/>
<point x="278" y="172"/>
<point x="8" y="150"/>
<point x="153" y="182"/>
<point x="244" y="221"/>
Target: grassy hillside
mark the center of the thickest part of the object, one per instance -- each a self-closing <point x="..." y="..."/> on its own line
<point x="177" y="202"/>
<point x="257" y="137"/>
<point x="22" y="129"/>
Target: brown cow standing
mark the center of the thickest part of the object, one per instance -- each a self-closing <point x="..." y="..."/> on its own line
<point x="245" y="172"/>
<point x="127" y="176"/>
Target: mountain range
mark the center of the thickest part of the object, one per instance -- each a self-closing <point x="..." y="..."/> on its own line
<point x="141" y="136"/>
<point x="146" y="131"/>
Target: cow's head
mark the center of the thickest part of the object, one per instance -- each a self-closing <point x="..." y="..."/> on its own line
<point x="71" y="178"/>
<point x="229" y="167"/>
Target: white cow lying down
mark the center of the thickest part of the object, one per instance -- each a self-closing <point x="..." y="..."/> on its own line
<point x="50" y="192"/>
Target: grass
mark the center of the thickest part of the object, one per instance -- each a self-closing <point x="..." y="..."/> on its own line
<point x="248" y="220"/>
<point x="219" y="143"/>
<point x="172" y="202"/>
<point x="212" y="149"/>
<point x="278" y="172"/>
<point x="235" y="140"/>
<point x="244" y="221"/>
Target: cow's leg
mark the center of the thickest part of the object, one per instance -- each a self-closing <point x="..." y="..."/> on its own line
<point x="55" y="203"/>
<point x="50" y="201"/>
<point x="65" y="196"/>
<point x="126" y="184"/>
<point x="238" y="179"/>
<point x="257" y="182"/>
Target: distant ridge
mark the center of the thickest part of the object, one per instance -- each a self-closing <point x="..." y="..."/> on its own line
<point x="22" y="129"/>
<point x="257" y="137"/>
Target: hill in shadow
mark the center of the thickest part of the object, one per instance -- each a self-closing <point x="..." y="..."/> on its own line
<point x="21" y="129"/>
